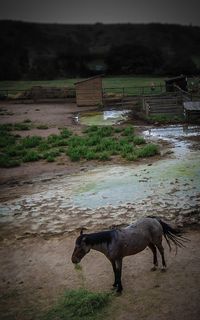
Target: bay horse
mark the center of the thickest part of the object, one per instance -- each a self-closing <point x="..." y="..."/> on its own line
<point x="116" y="244"/>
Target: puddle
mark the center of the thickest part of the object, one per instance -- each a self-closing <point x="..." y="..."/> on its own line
<point x="114" y="194"/>
<point x="101" y="118"/>
<point x="173" y="132"/>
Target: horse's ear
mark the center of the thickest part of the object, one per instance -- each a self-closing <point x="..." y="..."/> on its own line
<point x="81" y="232"/>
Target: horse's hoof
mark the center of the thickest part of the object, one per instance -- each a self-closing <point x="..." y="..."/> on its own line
<point x="164" y="269"/>
<point x="118" y="292"/>
<point x="154" y="268"/>
<point x="114" y="288"/>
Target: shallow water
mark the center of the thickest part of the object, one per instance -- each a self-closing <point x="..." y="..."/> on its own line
<point x="114" y="194"/>
<point x="101" y="118"/>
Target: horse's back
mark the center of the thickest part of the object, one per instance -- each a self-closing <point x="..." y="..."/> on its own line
<point x="137" y="236"/>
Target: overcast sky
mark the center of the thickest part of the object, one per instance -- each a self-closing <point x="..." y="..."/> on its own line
<point x="106" y="11"/>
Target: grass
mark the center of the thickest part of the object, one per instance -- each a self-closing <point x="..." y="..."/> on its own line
<point x="95" y="143"/>
<point x="165" y="119"/>
<point x="108" y="82"/>
<point x="79" y="305"/>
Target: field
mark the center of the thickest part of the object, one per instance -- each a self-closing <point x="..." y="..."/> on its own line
<point x="108" y="82"/>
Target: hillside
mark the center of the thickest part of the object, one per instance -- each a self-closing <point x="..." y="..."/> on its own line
<point x="52" y="51"/>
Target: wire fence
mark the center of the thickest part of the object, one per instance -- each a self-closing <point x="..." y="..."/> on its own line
<point x="39" y="93"/>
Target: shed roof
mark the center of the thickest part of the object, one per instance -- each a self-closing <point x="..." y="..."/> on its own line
<point x="181" y="77"/>
<point x="88" y="79"/>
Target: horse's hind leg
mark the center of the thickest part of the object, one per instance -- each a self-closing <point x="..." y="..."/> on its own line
<point x="161" y="250"/>
<point x="155" y="260"/>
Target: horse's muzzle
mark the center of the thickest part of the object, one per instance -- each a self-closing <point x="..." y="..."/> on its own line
<point x="75" y="260"/>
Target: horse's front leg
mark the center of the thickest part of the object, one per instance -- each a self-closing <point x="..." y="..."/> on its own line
<point x="118" y="264"/>
<point x="115" y="273"/>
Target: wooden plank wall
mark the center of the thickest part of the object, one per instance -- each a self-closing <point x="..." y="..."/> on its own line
<point x="89" y="92"/>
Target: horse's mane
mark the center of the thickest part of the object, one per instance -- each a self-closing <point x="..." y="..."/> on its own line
<point x="99" y="237"/>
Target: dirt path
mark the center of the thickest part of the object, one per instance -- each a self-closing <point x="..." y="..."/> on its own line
<point x="35" y="271"/>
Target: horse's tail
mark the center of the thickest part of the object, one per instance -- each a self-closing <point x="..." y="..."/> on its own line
<point x="172" y="234"/>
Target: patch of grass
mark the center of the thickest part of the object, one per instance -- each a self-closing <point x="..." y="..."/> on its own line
<point x="79" y="305"/>
<point x="27" y="121"/>
<point x="6" y="162"/>
<point x="104" y="156"/>
<point x="51" y="154"/>
<point x="6" y="127"/>
<point x="42" y="127"/>
<point x="65" y="133"/>
<point x="98" y="143"/>
<point x="31" y="142"/>
<point x="165" y="119"/>
<point x="137" y="140"/>
<point x="31" y="155"/>
<point x="6" y="139"/>
<point x="21" y="126"/>
<point x="148" y="151"/>
<point x="128" y="131"/>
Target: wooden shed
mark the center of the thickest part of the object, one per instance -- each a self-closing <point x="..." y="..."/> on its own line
<point x="180" y="81"/>
<point x="89" y="91"/>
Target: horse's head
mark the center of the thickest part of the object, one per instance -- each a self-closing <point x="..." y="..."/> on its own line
<point x="81" y="248"/>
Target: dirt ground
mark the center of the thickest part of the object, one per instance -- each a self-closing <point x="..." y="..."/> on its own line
<point x="35" y="271"/>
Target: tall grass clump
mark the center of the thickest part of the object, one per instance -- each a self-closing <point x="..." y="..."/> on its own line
<point x="128" y="131"/>
<point x="31" y="142"/>
<point x="31" y="155"/>
<point x="7" y="162"/>
<point x="79" y="305"/>
<point x="148" y="151"/>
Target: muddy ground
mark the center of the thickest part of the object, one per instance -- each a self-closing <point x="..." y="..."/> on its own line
<point x="34" y="271"/>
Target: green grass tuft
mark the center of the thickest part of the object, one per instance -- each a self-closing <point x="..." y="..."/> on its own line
<point x="79" y="305"/>
<point x="148" y="151"/>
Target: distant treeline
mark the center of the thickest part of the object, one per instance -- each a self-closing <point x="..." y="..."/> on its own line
<point x="52" y="51"/>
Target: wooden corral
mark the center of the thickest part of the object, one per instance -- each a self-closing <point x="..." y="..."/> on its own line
<point x="178" y="82"/>
<point x="192" y="110"/>
<point x="89" y="92"/>
<point x="168" y="105"/>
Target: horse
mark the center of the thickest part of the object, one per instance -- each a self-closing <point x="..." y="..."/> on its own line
<point x="116" y="244"/>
